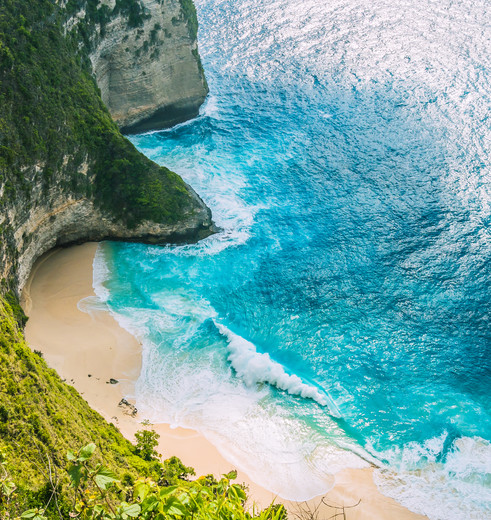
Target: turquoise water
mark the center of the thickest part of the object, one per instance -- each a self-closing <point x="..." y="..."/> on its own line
<point x="342" y="315"/>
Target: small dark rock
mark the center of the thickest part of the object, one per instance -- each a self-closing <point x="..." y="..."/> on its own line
<point x="112" y="381"/>
<point x="128" y="408"/>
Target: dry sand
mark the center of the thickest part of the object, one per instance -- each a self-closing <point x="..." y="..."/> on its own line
<point x="87" y="350"/>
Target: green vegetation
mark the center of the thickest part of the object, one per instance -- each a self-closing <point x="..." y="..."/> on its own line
<point x="97" y="493"/>
<point x="57" y="139"/>
<point x="133" y="10"/>
<point x="17" y="310"/>
<point x="53" y="120"/>
<point x="42" y="418"/>
<point x="100" y="14"/>
<point x="192" y="18"/>
<point x="146" y="442"/>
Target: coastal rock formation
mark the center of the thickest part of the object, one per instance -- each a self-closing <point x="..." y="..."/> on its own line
<point x="70" y="220"/>
<point x="67" y="174"/>
<point x="148" y="67"/>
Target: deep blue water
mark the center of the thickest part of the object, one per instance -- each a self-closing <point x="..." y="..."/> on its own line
<point x="342" y="315"/>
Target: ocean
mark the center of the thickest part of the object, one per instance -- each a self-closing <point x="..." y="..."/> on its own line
<point x="341" y="316"/>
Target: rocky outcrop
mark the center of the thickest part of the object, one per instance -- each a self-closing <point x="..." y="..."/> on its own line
<point x="79" y="220"/>
<point x="148" y="69"/>
<point x="47" y="219"/>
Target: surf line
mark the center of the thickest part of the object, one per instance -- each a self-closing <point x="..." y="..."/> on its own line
<point x="254" y="367"/>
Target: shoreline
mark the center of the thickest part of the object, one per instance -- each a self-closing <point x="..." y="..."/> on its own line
<point x="90" y="349"/>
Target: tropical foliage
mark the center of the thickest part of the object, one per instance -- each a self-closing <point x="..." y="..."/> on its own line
<point x="53" y="123"/>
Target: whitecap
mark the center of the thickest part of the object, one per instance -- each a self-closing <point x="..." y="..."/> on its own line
<point x="254" y="367"/>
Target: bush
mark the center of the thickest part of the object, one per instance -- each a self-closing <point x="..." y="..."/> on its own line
<point x="146" y="442"/>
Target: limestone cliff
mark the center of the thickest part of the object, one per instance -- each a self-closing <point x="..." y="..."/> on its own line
<point x="70" y="219"/>
<point x="66" y="172"/>
<point x="148" y="69"/>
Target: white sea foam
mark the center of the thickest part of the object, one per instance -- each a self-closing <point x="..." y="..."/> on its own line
<point x="194" y="389"/>
<point x="100" y="275"/>
<point x="188" y="383"/>
<point x="418" y="46"/>
<point x="457" y="487"/>
<point x="255" y="367"/>
<point x="90" y="304"/>
<point x="210" y="107"/>
<point x="231" y="214"/>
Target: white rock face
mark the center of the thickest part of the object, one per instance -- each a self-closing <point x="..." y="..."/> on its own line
<point x="150" y="76"/>
<point x="79" y="220"/>
<point x="56" y="218"/>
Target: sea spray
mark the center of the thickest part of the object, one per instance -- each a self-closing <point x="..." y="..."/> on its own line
<point x="425" y="482"/>
<point x="186" y="380"/>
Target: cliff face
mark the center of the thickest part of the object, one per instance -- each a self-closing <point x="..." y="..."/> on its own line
<point x="68" y="175"/>
<point x="66" y="172"/>
<point x="68" y="219"/>
<point x="148" y="68"/>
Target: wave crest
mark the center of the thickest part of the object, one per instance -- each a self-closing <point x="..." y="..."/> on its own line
<point x="255" y="367"/>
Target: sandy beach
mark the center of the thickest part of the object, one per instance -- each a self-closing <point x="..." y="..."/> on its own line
<point x="88" y="350"/>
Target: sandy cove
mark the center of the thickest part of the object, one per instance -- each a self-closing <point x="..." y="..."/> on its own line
<point x="88" y="350"/>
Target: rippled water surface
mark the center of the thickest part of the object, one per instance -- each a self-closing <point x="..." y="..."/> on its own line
<point x="342" y="315"/>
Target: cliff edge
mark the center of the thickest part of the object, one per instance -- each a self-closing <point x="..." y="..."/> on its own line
<point x="66" y="172"/>
<point x="146" y="63"/>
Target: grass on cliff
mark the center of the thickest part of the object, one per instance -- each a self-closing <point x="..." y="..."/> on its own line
<point x="41" y="417"/>
<point x="53" y="121"/>
<point x="191" y="16"/>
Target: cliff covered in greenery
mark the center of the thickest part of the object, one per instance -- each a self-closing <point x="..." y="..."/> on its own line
<point x="41" y="418"/>
<point x="66" y="172"/>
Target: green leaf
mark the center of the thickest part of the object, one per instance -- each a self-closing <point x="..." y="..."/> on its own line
<point x="75" y="474"/>
<point x="173" y="506"/>
<point x="239" y="492"/>
<point x="132" y="510"/>
<point x="104" y="477"/>
<point x="86" y="452"/>
<point x="167" y="491"/>
<point x="71" y="455"/>
<point x="141" y="490"/>
<point x="232" y="475"/>
<point x="150" y="504"/>
<point x="34" y="514"/>
<point x="184" y="498"/>
<point x="8" y="487"/>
